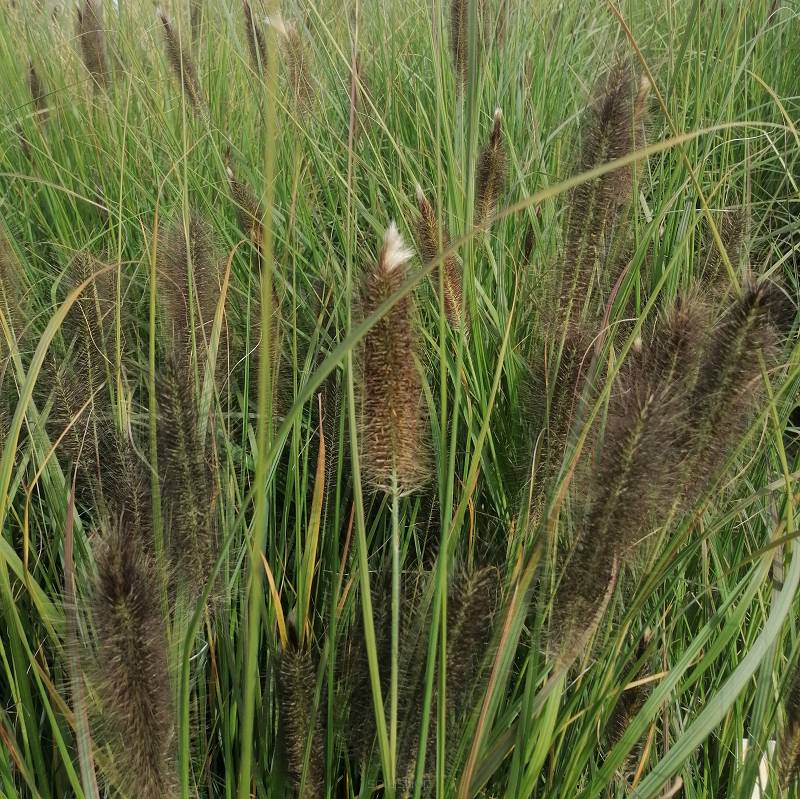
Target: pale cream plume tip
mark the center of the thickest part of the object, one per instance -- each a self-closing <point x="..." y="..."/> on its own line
<point x="394" y="253"/>
<point x="276" y="21"/>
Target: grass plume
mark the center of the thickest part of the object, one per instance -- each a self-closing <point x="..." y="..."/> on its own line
<point x="596" y="206"/>
<point x="131" y="666"/>
<point x="394" y="436"/>
<point x="729" y="386"/>
<point x="298" y="64"/>
<point x="189" y="283"/>
<point x="180" y="61"/>
<point x="256" y="41"/>
<point x="80" y="414"/>
<point x="632" y="699"/>
<point x="732" y="228"/>
<point x="13" y="290"/>
<point x="634" y="480"/>
<point x="90" y="33"/>
<point x="187" y="480"/>
<point x="248" y="208"/>
<point x="490" y="174"/>
<point x="301" y="722"/>
<point x="459" y="34"/>
<point x="432" y="240"/>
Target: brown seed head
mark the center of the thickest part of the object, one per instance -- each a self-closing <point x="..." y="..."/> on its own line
<point x="729" y="387"/>
<point x="131" y="666"/>
<point x="459" y="35"/>
<point x="432" y="240"/>
<point x="180" y="60"/>
<point x="38" y="94"/>
<point x="631" y="700"/>
<point x="189" y="283"/>
<point x="256" y="43"/>
<point x="597" y="206"/>
<point x="301" y="720"/>
<point x="91" y="36"/>
<point x="490" y="176"/>
<point x="187" y="480"/>
<point x="248" y="209"/>
<point x="392" y="420"/>
<point x="298" y="66"/>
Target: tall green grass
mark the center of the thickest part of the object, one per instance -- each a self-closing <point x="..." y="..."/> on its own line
<point x="319" y="636"/>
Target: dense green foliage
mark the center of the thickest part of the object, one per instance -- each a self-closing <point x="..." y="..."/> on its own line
<point x="247" y="562"/>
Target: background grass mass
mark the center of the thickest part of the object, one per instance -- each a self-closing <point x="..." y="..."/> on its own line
<point x="397" y="398"/>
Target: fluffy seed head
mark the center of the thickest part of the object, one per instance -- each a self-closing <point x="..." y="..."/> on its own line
<point x="358" y="714"/>
<point x="248" y="209"/>
<point x="301" y="722"/>
<point x="471" y="607"/>
<point x="180" y="61"/>
<point x="12" y="287"/>
<point x="631" y="700"/>
<point x="732" y="227"/>
<point x="298" y="66"/>
<point x="131" y="667"/>
<point x="635" y="480"/>
<point x="392" y="420"/>
<point x="789" y="742"/>
<point x="679" y="337"/>
<point x="597" y="206"/>
<point x="432" y="240"/>
<point x="729" y="386"/>
<point x="582" y="598"/>
<point x="459" y="39"/>
<point x="636" y="472"/>
<point x="79" y="410"/>
<point x="256" y="43"/>
<point x="491" y="173"/>
<point x="394" y="254"/>
<point x="91" y="36"/>
<point x="37" y="93"/>
<point x="187" y="480"/>
<point x="189" y="283"/>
